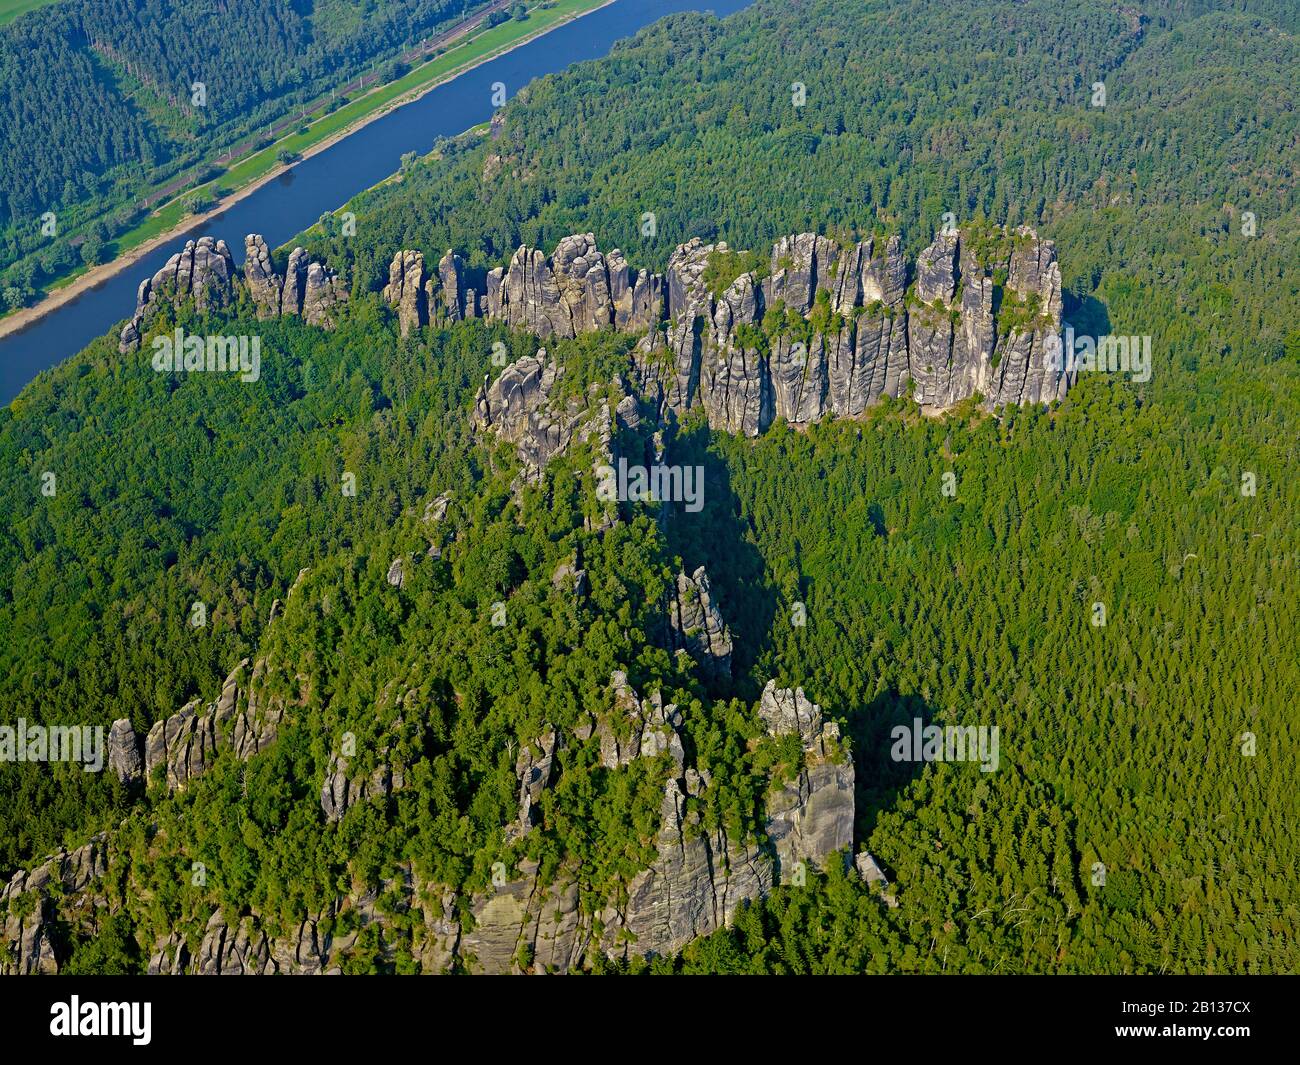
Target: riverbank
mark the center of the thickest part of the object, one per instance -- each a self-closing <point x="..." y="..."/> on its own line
<point x="261" y="167"/>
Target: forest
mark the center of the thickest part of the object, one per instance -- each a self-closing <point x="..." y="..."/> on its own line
<point x="1128" y="829"/>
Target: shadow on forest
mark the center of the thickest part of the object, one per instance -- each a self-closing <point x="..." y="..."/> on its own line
<point x="717" y="537"/>
<point x="878" y="778"/>
<point x="1089" y="316"/>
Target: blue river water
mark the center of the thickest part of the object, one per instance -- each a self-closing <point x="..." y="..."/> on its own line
<point x="291" y="203"/>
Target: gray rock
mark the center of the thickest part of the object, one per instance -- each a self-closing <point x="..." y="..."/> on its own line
<point x="451" y="274"/>
<point x="201" y="273"/>
<point x="263" y="283"/>
<point x="638" y="729"/>
<point x="187" y="742"/>
<point x="243" y="952"/>
<point x="27" y="944"/>
<point x="533" y="768"/>
<point x="341" y="790"/>
<point x="936" y="270"/>
<point x="406" y="292"/>
<point x="170" y="956"/>
<point x="568" y="577"/>
<point x="870" y="872"/>
<point x="802" y="265"/>
<point x="735" y="382"/>
<point x="694" y="887"/>
<point x="124" y="751"/>
<point x="295" y="283"/>
<point x="323" y="295"/>
<point x="519" y="406"/>
<point x="436" y="509"/>
<point x="529" y="296"/>
<point x="582" y="280"/>
<point x="811" y="817"/>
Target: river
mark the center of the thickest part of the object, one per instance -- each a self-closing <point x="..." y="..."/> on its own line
<point x="323" y="182"/>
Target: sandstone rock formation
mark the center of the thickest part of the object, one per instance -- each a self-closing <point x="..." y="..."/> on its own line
<point x="638" y="729"/>
<point x="823" y="329"/>
<point x="406" y="290"/>
<point x="695" y="884"/>
<point x="811" y="817"/>
<point x="457" y="301"/>
<point x="533" y="768"/>
<point x="339" y="794"/>
<point x="322" y="294"/>
<point x="869" y="870"/>
<point x="696" y="625"/>
<point x="699" y="878"/>
<point x="204" y="273"/>
<point x="124" y="751"/>
<point x="521" y="406"/>
<point x="185" y="743"/>
<point x="27" y="913"/>
<point x="992" y="340"/>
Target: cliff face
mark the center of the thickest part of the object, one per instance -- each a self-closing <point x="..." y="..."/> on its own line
<point x="181" y="746"/>
<point x="820" y="329"/>
<point x="694" y="884"/>
<point x="698" y="878"/>
<point x="815" y="329"/>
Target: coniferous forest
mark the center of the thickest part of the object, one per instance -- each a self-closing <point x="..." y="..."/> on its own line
<point x="905" y="564"/>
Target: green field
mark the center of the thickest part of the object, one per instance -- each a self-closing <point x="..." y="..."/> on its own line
<point x="11" y="9"/>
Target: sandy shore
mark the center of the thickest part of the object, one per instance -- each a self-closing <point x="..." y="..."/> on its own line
<point x="20" y="320"/>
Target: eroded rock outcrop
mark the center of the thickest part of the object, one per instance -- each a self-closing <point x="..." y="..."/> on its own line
<point x="124" y="752"/>
<point x="696" y="624"/>
<point x="993" y="339"/>
<point x="204" y="273"/>
<point x="406" y="291"/>
<point x="811" y="816"/>
<point x="457" y="301"/>
<point x="183" y="745"/>
<point x="533" y="768"/>
<point x="322" y="295"/>
<point x="638" y="728"/>
<point x="339" y="793"/>
<point x="694" y="885"/>
<point x="27" y="913"/>
<point x="524" y="406"/>
<point x="823" y="328"/>
<point x="700" y="877"/>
